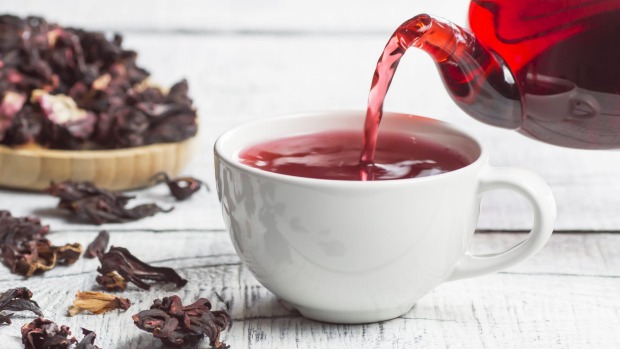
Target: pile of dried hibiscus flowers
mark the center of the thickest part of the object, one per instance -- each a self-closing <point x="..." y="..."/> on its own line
<point x="168" y="320"/>
<point x="25" y="249"/>
<point x="66" y="88"/>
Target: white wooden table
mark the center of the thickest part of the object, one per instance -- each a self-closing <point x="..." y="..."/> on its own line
<point x="252" y="59"/>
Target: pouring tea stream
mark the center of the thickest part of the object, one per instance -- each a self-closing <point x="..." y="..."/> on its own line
<point x="542" y="69"/>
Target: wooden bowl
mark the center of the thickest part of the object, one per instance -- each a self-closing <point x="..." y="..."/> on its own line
<point x="33" y="167"/>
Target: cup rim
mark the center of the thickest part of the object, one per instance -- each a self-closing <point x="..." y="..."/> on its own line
<point x="231" y="161"/>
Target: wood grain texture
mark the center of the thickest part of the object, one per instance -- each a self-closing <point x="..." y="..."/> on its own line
<point x="564" y="297"/>
<point x="33" y="168"/>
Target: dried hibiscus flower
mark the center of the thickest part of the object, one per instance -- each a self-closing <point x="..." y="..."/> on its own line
<point x="45" y="334"/>
<point x="88" y="342"/>
<point x="98" y="246"/>
<point x="17" y="299"/>
<point x="96" y="84"/>
<point x="64" y="126"/>
<point x="12" y="103"/>
<point x="98" y="206"/>
<point x="5" y="318"/>
<point x="97" y="303"/>
<point x="118" y="267"/>
<point x="26" y="251"/>
<point x="178" y="325"/>
<point x="180" y="187"/>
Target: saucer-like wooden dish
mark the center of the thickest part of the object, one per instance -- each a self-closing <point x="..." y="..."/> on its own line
<point x="33" y="167"/>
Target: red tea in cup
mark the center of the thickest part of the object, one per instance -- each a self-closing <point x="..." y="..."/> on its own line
<point x="336" y="155"/>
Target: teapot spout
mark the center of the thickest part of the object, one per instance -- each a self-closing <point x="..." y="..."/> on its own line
<point x="477" y="79"/>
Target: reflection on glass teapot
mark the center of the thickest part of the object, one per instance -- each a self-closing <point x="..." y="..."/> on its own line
<point x="548" y="69"/>
<point x="551" y="99"/>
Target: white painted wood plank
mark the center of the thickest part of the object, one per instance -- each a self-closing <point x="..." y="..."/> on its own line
<point x="239" y="16"/>
<point x="566" y="296"/>
<point x="596" y="254"/>
<point x="239" y="78"/>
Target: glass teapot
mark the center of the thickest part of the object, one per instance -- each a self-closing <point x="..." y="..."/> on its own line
<point x="548" y="69"/>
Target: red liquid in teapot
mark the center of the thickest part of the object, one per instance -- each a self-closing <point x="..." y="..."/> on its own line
<point x="574" y="40"/>
<point x="335" y="155"/>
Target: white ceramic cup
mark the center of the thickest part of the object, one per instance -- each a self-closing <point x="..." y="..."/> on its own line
<point x="354" y="251"/>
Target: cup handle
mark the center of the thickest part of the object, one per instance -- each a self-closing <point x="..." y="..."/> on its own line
<point x="538" y="193"/>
